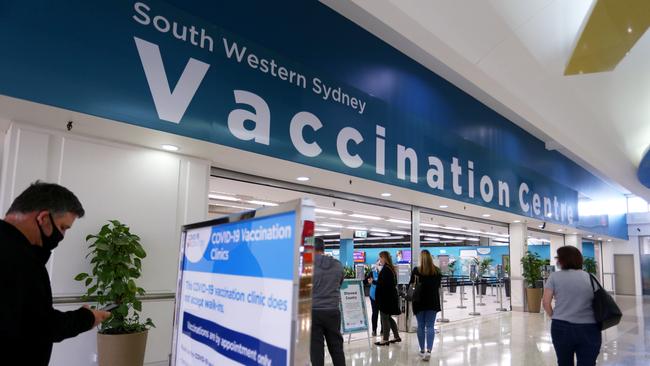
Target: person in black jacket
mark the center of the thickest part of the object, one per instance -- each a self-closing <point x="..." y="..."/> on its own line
<point x="387" y="299"/>
<point x="426" y="301"/>
<point x="34" y="225"/>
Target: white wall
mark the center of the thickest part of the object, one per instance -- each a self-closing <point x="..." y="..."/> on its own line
<point x="638" y="225"/>
<point x="153" y="192"/>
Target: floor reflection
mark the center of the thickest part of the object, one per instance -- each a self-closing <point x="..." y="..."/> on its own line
<point x="511" y="339"/>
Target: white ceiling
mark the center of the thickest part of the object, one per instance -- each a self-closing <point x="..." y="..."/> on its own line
<point x="511" y="54"/>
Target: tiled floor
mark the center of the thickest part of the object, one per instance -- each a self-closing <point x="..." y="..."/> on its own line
<point x="512" y="339"/>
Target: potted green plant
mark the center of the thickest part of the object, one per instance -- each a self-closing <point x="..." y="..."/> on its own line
<point x="451" y="270"/>
<point x="348" y="272"/>
<point x="589" y="265"/>
<point x="532" y="271"/>
<point x="116" y="260"/>
<point x="483" y="266"/>
<point x="506" y="273"/>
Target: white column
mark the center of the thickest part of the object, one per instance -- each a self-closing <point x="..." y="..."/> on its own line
<point x="518" y="248"/>
<point x="573" y="240"/>
<point x="415" y="237"/>
<point x="556" y="242"/>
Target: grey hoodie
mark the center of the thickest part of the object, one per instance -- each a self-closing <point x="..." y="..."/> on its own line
<point x="328" y="276"/>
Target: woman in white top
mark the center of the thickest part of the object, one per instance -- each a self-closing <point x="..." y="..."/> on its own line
<point x="574" y="330"/>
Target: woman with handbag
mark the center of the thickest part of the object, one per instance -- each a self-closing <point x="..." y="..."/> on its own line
<point x="424" y="290"/>
<point x="387" y="299"/>
<point x="574" y="329"/>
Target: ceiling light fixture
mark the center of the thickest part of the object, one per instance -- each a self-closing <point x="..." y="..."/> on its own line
<point x="167" y="147"/>
<point x="220" y="197"/>
<point x="330" y="225"/>
<point x="367" y="217"/>
<point x="517" y="221"/>
<point x="357" y="228"/>
<point x="629" y="29"/>
<point x="263" y="203"/>
<point x="486" y="215"/>
<point x="399" y="232"/>
<point x="379" y="234"/>
<point x="405" y="222"/>
<point x="302" y="179"/>
<point x="328" y="212"/>
<point x="379" y="230"/>
<point x="590" y="236"/>
<point x="443" y="206"/>
<point x="386" y="194"/>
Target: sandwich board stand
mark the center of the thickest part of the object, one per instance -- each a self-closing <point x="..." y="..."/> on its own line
<point x="354" y="318"/>
<point x="243" y="294"/>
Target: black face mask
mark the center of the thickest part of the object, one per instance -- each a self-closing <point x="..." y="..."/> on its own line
<point x="52" y="241"/>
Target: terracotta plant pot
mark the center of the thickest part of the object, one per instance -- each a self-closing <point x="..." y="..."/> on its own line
<point x="534" y="296"/>
<point x="121" y="349"/>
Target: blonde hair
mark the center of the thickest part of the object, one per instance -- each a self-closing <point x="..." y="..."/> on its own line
<point x="427" y="268"/>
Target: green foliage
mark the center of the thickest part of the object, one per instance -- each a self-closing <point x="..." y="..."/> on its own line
<point x="367" y="270"/>
<point x="589" y="265"/>
<point x="532" y="268"/>
<point x="348" y="272"/>
<point x="484" y="265"/>
<point x="451" y="268"/>
<point x="116" y="260"/>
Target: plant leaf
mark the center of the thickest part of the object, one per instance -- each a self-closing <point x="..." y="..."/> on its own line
<point x="80" y="276"/>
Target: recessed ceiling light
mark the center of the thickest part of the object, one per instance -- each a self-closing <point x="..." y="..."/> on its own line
<point x="337" y="226"/>
<point x="357" y="228"/>
<point x="486" y="215"/>
<point x="220" y="197"/>
<point x="398" y="232"/>
<point x="517" y="221"/>
<point x="590" y="236"/>
<point x="380" y="234"/>
<point x="549" y="214"/>
<point x="609" y="239"/>
<point x="397" y="221"/>
<point x="368" y="217"/>
<point x="328" y="212"/>
<point x="443" y="206"/>
<point x="263" y="203"/>
<point x="386" y="194"/>
<point x="170" y="147"/>
<point x="302" y="179"/>
<point x="629" y="29"/>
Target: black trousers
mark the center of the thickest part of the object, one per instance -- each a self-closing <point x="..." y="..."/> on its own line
<point x="388" y="324"/>
<point x="326" y="324"/>
<point x="375" y="315"/>
<point x="580" y="340"/>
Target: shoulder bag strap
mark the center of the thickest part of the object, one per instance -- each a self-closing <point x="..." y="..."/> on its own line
<point x="592" y="279"/>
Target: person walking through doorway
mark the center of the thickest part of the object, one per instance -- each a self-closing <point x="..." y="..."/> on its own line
<point x="325" y="315"/>
<point x="387" y="299"/>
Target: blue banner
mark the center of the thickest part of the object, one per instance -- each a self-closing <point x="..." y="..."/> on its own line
<point x="259" y="247"/>
<point x="149" y="64"/>
<point x="234" y="345"/>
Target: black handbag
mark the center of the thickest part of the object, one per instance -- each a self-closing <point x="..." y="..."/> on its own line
<point x="606" y="312"/>
<point x="414" y="290"/>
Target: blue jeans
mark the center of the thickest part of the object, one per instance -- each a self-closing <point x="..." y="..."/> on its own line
<point x="581" y="340"/>
<point x="426" y="319"/>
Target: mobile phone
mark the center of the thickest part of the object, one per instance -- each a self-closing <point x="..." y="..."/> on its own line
<point x="109" y="307"/>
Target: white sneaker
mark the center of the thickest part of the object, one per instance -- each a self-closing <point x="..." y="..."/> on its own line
<point x="427" y="356"/>
<point x="422" y="354"/>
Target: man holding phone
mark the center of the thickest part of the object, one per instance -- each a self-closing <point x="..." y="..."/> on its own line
<point x="34" y="225"/>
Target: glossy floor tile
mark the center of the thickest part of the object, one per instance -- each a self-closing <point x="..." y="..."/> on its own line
<point x="511" y="338"/>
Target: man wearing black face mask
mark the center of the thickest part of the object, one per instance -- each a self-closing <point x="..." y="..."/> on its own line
<point x="34" y="225"/>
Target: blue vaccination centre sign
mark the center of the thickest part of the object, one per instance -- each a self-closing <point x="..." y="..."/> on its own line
<point x="151" y="64"/>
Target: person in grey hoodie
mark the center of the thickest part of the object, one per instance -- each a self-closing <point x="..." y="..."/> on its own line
<point x="325" y="315"/>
